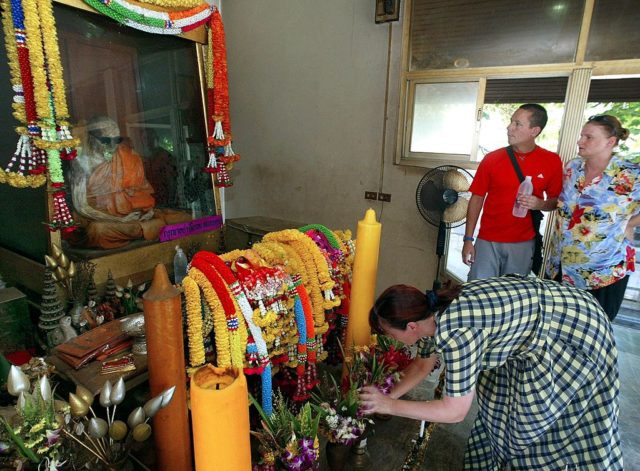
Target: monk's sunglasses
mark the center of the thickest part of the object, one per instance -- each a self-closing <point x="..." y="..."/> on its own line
<point x="108" y="141"/>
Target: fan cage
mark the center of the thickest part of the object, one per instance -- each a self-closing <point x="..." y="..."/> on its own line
<point x="432" y="194"/>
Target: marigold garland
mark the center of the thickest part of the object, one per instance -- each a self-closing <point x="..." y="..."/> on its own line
<point x="221" y="333"/>
<point x="308" y="247"/>
<point x="277" y="253"/>
<point x="194" y="321"/>
<point x="54" y="65"/>
<point x="318" y="276"/>
<point x="14" y="67"/>
<point x="241" y="300"/>
<point x="237" y="329"/>
<point x="40" y="102"/>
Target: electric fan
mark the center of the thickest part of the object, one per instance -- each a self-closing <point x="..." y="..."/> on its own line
<point x="442" y="198"/>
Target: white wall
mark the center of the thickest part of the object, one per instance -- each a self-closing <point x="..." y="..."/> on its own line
<point x="307" y="87"/>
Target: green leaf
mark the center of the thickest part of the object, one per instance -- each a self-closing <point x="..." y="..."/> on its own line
<point x="24" y="451"/>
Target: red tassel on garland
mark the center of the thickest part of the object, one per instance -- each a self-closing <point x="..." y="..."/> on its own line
<point x="61" y="215"/>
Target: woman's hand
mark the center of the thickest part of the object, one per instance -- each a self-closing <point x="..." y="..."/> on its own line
<point x="373" y="401"/>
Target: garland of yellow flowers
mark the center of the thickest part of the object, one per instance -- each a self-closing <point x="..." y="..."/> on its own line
<point x="307" y="247"/>
<point x="221" y="333"/>
<point x="12" y="56"/>
<point x="318" y="278"/>
<point x="236" y="326"/>
<point x="194" y="321"/>
<point x="29" y="172"/>
<point x="45" y="110"/>
<point x="277" y="253"/>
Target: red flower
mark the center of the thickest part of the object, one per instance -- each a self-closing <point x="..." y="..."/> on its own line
<point x="576" y="216"/>
<point x="631" y="258"/>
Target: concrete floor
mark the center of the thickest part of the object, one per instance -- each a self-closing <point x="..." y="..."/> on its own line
<point x="391" y="440"/>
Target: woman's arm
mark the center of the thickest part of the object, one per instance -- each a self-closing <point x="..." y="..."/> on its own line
<point x="631" y="225"/>
<point x="446" y="410"/>
<point x="417" y="370"/>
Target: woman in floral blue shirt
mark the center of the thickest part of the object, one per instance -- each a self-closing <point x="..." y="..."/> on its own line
<point x="597" y="213"/>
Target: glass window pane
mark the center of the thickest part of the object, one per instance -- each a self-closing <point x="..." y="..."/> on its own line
<point x="448" y="34"/>
<point x="136" y="107"/>
<point x="605" y="97"/>
<point x="614" y="32"/>
<point x="444" y="117"/>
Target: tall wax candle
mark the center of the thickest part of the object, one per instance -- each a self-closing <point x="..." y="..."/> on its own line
<point x="365" y="271"/>
<point x="165" y="359"/>
<point x="220" y="419"/>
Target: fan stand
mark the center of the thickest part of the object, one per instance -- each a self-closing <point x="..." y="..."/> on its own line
<point x="442" y="239"/>
<point x="449" y="197"/>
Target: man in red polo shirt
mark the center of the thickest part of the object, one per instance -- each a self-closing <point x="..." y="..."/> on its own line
<point x="505" y="243"/>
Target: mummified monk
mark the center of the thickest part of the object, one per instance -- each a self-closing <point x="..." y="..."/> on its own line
<point x="112" y="198"/>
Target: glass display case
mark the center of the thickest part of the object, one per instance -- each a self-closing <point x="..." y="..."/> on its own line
<point x="136" y="188"/>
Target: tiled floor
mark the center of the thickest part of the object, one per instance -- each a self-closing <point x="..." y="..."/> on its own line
<point x="389" y="445"/>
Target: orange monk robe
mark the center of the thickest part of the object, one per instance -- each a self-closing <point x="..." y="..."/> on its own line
<point x="119" y="187"/>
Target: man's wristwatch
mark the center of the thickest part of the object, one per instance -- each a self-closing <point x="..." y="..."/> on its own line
<point x="468" y="239"/>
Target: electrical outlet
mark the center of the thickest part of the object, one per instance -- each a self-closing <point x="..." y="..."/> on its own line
<point x="370" y="195"/>
<point x="386" y="197"/>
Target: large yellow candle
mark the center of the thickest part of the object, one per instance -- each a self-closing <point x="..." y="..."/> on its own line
<point x="220" y="419"/>
<point x="363" y="285"/>
<point x="165" y="359"/>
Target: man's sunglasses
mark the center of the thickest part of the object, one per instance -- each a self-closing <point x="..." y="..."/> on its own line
<point x="108" y="141"/>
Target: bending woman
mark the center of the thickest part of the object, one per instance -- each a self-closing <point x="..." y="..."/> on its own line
<point x="597" y="214"/>
<point x="539" y="356"/>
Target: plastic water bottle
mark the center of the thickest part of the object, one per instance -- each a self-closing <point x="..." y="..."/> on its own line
<point x="525" y="189"/>
<point x="179" y="265"/>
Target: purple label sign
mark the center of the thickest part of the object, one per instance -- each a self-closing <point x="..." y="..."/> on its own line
<point x="197" y="226"/>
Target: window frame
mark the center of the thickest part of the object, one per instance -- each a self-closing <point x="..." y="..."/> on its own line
<point x="409" y="78"/>
<point x="580" y="73"/>
<point x="419" y="158"/>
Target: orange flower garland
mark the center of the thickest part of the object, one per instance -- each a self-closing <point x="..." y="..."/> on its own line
<point x="218" y="118"/>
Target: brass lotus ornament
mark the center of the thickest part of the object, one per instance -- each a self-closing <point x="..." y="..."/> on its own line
<point x="50" y="262"/>
<point x="141" y="432"/>
<point x="84" y="394"/>
<point x="118" y="430"/>
<point x="77" y="406"/>
<point x="110" y="440"/>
